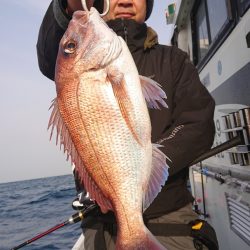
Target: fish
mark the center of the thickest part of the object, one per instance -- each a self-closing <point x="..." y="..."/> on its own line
<point x="102" y="121"/>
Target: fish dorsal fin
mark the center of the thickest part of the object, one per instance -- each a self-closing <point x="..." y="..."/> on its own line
<point x="153" y="93"/>
<point x="158" y="176"/>
<point x="119" y="89"/>
<point x="62" y="134"/>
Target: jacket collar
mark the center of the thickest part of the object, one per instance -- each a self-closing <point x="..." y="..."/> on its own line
<point x="137" y="36"/>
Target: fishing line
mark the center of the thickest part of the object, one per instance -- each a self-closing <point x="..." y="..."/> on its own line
<point x="84" y="5"/>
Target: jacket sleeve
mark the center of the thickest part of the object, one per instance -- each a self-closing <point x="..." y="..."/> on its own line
<point x="53" y="26"/>
<point x="192" y="130"/>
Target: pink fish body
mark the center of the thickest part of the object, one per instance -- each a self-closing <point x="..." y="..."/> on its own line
<point x="102" y="119"/>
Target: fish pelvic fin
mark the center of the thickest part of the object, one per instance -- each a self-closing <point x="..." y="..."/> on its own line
<point x="64" y="138"/>
<point x="153" y="93"/>
<point x="119" y="88"/>
<point x="158" y="176"/>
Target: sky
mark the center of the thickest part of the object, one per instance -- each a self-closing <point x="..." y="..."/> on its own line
<point x="25" y="149"/>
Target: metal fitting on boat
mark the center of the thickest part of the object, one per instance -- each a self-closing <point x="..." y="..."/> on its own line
<point x="238" y="123"/>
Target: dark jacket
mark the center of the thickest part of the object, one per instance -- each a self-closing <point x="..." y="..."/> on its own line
<point x="185" y="128"/>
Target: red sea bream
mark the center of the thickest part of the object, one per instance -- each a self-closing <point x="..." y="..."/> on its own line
<point x="102" y="119"/>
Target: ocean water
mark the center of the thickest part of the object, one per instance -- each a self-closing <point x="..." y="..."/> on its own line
<point x="28" y="208"/>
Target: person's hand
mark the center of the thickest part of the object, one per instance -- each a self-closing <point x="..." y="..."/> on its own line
<point x="74" y="5"/>
<point x="82" y="201"/>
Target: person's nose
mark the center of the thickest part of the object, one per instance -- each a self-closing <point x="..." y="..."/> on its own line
<point x="125" y="3"/>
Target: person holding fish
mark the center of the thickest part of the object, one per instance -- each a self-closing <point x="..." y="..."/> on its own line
<point x="132" y="115"/>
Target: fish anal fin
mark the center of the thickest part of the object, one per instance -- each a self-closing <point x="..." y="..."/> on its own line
<point x="92" y="188"/>
<point x="153" y="93"/>
<point x="120" y="92"/>
<point x="158" y="176"/>
<point x="63" y="134"/>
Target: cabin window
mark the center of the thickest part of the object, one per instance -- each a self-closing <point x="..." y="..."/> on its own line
<point x="243" y="6"/>
<point x="202" y="32"/>
<point x="217" y="16"/>
<point x="210" y="22"/>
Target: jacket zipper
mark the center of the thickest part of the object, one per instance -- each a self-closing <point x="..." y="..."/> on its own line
<point x="125" y="30"/>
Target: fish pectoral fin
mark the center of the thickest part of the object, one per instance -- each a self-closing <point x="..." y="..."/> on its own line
<point x="153" y="93"/>
<point x="120" y="92"/>
<point x="158" y="177"/>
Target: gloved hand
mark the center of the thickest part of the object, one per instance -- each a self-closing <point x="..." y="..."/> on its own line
<point x="82" y="201"/>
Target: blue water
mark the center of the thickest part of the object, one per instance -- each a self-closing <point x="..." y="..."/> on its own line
<point x="28" y="208"/>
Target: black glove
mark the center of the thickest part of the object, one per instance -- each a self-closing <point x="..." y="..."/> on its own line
<point x="82" y="201"/>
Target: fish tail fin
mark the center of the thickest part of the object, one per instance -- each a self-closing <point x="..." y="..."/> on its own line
<point x="153" y="243"/>
<point x="143" y="240"/>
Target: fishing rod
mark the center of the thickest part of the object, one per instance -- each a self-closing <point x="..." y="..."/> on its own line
<point x="73" y="219"/>
<point x="238" y="140"/>
<point x="235" y="141"/>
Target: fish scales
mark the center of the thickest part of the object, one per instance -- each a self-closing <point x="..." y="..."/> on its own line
<point x="98" y="151"/>
<point x="97" y="107"/>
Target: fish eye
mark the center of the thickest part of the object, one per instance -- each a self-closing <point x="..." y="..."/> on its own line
<point x="70" y="47"/>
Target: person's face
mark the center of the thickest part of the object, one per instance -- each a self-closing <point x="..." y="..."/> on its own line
<point x="128" y="9"/>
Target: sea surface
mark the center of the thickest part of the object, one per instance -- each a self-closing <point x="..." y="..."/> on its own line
<point x="28" y="208"/>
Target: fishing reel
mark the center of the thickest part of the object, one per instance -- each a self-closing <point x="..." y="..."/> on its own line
<point x="82" y="201"/>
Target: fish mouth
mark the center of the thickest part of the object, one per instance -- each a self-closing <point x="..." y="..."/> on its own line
<point x="81" y="16"/>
